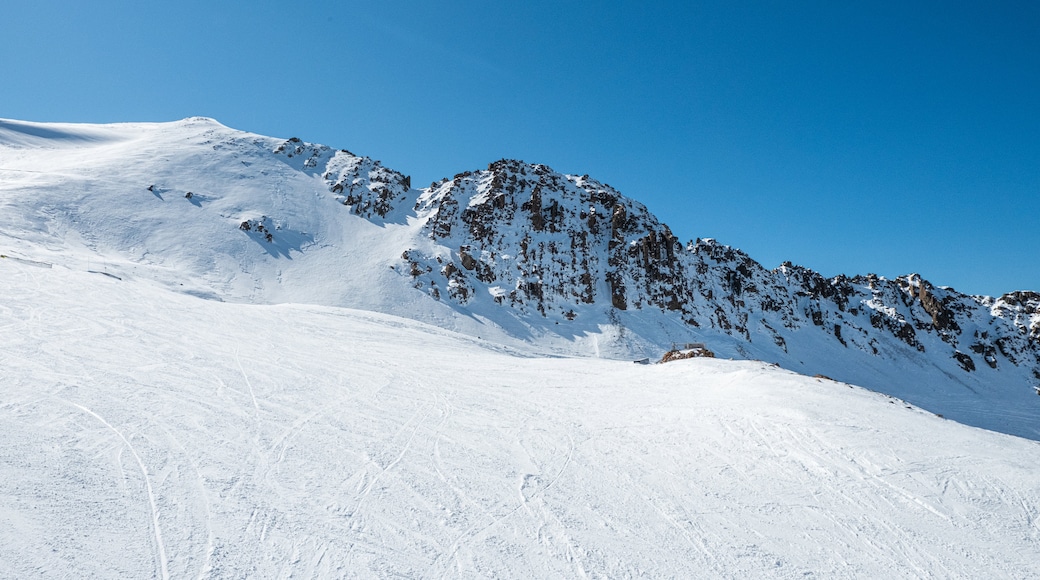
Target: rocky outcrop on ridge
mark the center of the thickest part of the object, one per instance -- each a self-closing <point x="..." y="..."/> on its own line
<point x="551" y="245"/>
<point x="539" y="244"/>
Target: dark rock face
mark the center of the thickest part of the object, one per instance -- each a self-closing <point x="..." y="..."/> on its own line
<point x="260" y="226"/>
<point x="535" y="235"/>
<point x="965" y="361"/>
<point x="941" y="310"/>
<point x="370" y="189"/>
<point x="682" y="354"/>
<point x="1024" y="310"/>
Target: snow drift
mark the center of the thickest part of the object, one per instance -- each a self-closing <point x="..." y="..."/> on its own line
<point x="145" y="433"/>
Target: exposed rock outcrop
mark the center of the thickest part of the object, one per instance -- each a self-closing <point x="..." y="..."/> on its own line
<point x="547" y="244"/>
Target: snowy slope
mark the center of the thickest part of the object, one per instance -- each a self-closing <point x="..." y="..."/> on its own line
<point x="84" y="193"/>
<point x="564" y="263"/>
<point x="146" y="433"/>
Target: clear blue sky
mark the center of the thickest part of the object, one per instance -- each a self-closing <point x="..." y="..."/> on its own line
<point x="887" y="137"/>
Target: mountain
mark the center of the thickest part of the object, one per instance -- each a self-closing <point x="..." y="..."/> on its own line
<point x="231" y="356"/>
<point x="514" y="252"/>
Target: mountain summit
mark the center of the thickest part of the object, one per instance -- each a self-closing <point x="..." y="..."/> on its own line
<point x="513" y="252"/>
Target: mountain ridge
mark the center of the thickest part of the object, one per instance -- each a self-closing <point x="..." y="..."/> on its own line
<point x="518" y="249"/>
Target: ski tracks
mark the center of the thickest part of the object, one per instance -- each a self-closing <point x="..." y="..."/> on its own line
<point x="177" y="496"/>
<point x="412" y="426"/>
<point x="252" y="393"/>
<point x="204" y="497"/>
<point x="547" y="517"/>
<point x="904" y="547"/>
<point x="530" y="496"/>
<point x="156" y="529"/>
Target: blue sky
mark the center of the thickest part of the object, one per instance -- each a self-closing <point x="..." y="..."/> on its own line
<point x="887" y="137"/>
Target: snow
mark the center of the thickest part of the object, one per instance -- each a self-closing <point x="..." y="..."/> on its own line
<point x="182" y="398"/>
<point x="148" y="433"/>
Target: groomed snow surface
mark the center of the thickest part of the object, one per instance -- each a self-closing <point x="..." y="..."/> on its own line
<point x="146" y="433"/>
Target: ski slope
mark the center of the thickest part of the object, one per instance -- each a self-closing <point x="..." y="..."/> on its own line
<point x="147" y="433"/>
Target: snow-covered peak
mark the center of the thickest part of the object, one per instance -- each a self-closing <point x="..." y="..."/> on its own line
<point x="516" y="251"/>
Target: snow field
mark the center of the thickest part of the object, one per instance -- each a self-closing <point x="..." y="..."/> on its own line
<point x="145" y="433"/>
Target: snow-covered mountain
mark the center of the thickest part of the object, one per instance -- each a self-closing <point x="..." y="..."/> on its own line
<point x="514" y="251"/>
<point x="230" y="356"/>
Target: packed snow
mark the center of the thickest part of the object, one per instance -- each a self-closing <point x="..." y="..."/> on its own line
<point x="148" y="433"/>
<point x="181" y="397"/>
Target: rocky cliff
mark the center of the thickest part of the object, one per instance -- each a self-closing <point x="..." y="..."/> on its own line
<point x="544" y="244"/>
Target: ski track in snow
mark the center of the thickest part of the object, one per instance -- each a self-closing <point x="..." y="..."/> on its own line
<point x="358" y="448"/>
<point x="160" y="547"/>
<point x="249" y="385"/>
<point x="204" y="569"/>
